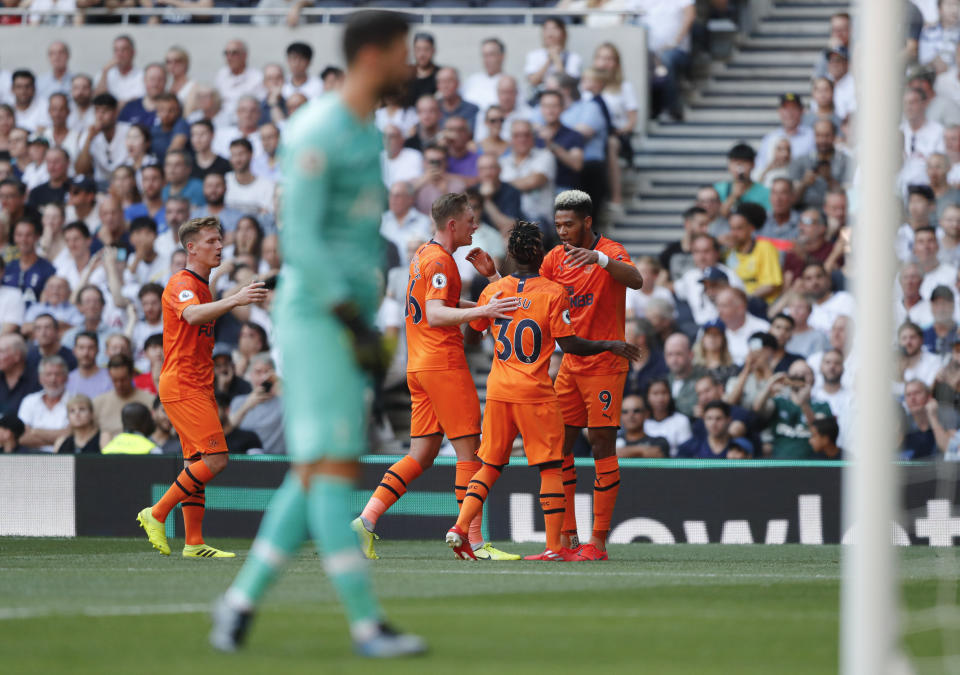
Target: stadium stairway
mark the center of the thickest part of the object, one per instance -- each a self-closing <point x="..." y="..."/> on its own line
<point x="737" y="101"/>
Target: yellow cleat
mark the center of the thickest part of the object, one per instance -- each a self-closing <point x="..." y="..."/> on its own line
<point x="155" y="530"/>
<point x="488" y="552"/>
<point x="204" y="551"/>
<point x="366" y="538"/>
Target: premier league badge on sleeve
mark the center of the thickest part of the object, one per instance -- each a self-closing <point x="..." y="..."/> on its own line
<point x="439" y="280"/>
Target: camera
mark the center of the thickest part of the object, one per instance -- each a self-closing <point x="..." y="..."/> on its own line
<point x="267" y="386"/>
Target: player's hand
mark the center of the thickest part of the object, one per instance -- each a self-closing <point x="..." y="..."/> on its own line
<point x="625" y="349"/>
<point x="372" y="353"/>
<point x="252" y="293"/>
<point x="578" y="257"/>
<point x="482" y="261"/>
<point x="498" y="307"/>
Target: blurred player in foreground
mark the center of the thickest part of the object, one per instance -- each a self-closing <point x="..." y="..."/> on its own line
<point x="596" y="272"/>
<point x="443" y="397"/>
<point x="520" y="394"/>
<point x="326" y="304"/>
<point x="186" y="384"/>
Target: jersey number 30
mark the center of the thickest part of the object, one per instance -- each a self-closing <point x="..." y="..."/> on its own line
<point x="516" y="346"/>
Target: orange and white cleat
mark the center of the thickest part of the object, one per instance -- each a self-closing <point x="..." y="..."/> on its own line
<point x="459" y="543"/>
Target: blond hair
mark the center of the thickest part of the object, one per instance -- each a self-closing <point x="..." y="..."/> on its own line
<point x="190" y="229"/>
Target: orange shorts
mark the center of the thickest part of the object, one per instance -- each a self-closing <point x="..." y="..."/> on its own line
<point x="539" y="424"/>
<point x="198" y="424"/>
<point x="443" y="402"/>
<point x="590" y="400"/>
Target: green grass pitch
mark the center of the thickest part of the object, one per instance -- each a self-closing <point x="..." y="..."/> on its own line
<point x="114" y="606"/>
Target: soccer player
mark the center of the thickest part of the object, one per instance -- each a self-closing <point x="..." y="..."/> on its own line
<point x="326" y="303"/>
<point x="520" y="395"/>
<point x="186" y="384"/>
<point x="596" y="272"/>
<point x="443" y="395"/>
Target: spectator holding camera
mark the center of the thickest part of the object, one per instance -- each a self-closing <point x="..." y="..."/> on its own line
<point x="791" y="413"/>
<point x="261" y="411"/>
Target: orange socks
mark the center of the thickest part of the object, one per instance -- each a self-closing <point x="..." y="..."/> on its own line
<point x="569" y="478"/>
<point x="190" y="480"/>
<point x="466" y="471"/>
<point x="605" y="489"/>
<point x="477" y="490"/>
<point x="193" y="510"/>
<point x="552" y="502"/>
<point x="391" y="488"/>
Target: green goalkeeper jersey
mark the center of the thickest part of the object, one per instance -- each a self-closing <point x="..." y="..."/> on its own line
<point x="333" y="197"/>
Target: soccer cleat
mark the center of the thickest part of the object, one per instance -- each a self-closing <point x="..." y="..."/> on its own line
<point x="546" y="555"/>
<point x="366" y="538"/>
<point x="488" y="552"/>
<point x="458" y="541"/>
<point x="589" y="552"/>
<point x="387" y="643"/>
<point x="204" y="551"/>
<point x="230" y="626"/>
<point x="570" y="555"/>
<point x="155" y="530"/>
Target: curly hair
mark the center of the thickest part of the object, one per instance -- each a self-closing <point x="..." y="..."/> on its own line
<point x="526" y="243"/>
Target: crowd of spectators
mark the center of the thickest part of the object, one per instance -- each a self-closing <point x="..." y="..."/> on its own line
<point x="748" y="319"/>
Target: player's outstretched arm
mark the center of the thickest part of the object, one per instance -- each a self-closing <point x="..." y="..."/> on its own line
<point x="484" y="264"/>
<point x="572" y="344"/>
<point x="622" y="272"/>
<point x="196" y="315"/>
<point x="438" y="314"/>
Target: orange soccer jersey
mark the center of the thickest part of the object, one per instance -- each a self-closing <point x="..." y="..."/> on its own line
<point x="597" y="305"/>
<point x="525" y="341"/>
<point x="187" y="350"/>
<point x="433" y="276"/>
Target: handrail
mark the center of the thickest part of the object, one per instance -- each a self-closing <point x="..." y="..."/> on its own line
<point x="325" y="13"/>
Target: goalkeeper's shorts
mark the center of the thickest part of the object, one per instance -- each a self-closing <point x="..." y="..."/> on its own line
<point x="326" y="397"/>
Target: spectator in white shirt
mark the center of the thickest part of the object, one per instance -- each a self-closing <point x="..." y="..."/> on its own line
<point x="299" y="56"/>
<point x="926" y="250"/>
<point x="119" y="77"/>
<point x="177" y="61"/>
<point x="553" y="58"/>
<point x="246" y="192"/>
<point x="267" y="163"/>
<point x="81" y="109"/>
<point x="481" y="88"/>
<point x="44" y="413"/>
<point x="399" y="163"/>
<point x="921" y="137"/>
<point x="30" y="109"/>
<point x="57" y="80"/>
<point x="236" y="79"/>
<point x="827" y="305"/>
<point x="532" y="171"/>
<point x="844" y="89"/>
<point x="732" y="309"/>
<point x="914" y="362"/>
<point x="59" y="134"/>
<point x="104" y="147"/>
<point x="401" y="223"/>
<point x="911" y="305"/>
<point x="800" y="136"/>
<point x="248" y="127"/>
<point x="668" y="24"/>
<point x="691" y="287"/>
<point x="511" y="108"/>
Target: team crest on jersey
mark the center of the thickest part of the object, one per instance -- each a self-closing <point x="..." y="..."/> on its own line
<point x="312" y="162"/>
<point x="185" y="295"/>
<point x="439" y="280"/>
<point x="566" y="316"/>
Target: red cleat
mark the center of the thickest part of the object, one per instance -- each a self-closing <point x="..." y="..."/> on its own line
<point x="459" y="543"/>
<point x="546" y="555"/>
<point x="570" y="554"/>
<point x="589" y="552"/>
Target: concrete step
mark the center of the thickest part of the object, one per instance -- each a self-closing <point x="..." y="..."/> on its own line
<point x="709" y="98"/>
<point x="689" y="129"/>
<point x="773" y="59"/>
<point x="817" y="12"/>
<point x="693" y="178"/>
<point x="751" y="72"/>
<point x="753" y="88"/>
<point x="663" y="162"/>
<point x="767" y="28"/>
<point x="683" y="148"/>
<point x="755" y="116"/>
<point x="665" y="206"/>
<point x="803" y="46"/>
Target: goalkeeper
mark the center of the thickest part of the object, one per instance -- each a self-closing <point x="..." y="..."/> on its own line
<point x="327" y="297"/>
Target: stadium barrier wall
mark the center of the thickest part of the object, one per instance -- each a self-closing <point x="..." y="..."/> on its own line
<point x="457" y="45"/>
<point x="660" y="501"/>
